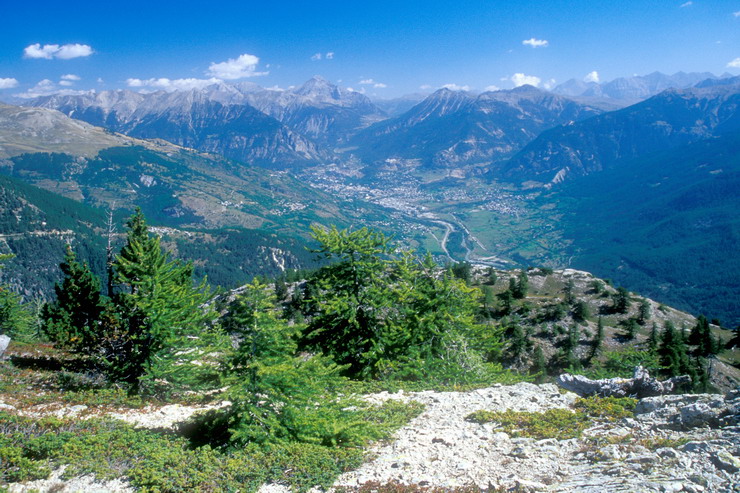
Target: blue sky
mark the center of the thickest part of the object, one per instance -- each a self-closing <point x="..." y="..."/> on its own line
<point x="386" y="48"/>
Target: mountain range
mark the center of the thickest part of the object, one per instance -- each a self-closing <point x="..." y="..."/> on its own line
<point x="170" y="162"/>
<point x="458" y="128"/>
<point x="673" y="118"/>
<point x="629" y="90"/>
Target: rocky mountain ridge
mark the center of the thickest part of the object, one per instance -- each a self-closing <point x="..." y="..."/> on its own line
<point x="630" y="90"/>
<point x="454" y="129"/>
<point x="671" y="119"/>
<point x="273" y="128"/>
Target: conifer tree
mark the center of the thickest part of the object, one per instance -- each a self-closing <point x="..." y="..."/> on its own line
<point x="621" y="301"/>
<point x="160" y="311"/>
<point x="73" y="321"/>
<point x="520" y="287"/>
<point x="378" y="312"/>
<point x="569" y="291"/>
<point x="672" y="351"/>
<point x="630" y="329"/>
<point x="581" y="311"/>
<point x="643" y="314"/>
<point x="278" y="395"/>
<point x="653" y="339"/>
<point x="539" y="363"/>
<point x="701" y="336"/>
<point x="16" y="318"/>
<point x="598" y="339"/>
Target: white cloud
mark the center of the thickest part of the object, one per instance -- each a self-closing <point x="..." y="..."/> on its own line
<point x="46" y="88"/>
<point x="536" y="43"/>
<point x="372" y="82"/>
<point x="172" y="84"/>
<point x="592" y="77"/>
<point x="492" y="88"/>
<point x="736" y="14"/>
<point x="360" y="91"/>
<point x="73" y="51"/>
<point x="520" y="79"/>
<point x="66" y="83"/>
<point x="455" y="87"/>
<point x="36" y="51"/>
<point x="315" y="57"/>
<point x="549" y="84"/>
<point x="8" y="83"/>
<point x="734" y="63"/>
<point x="100" y="80"/>
<point x="235" y="68"/>
<point x="329" y="55"/>
<point x="687" y="4"/>
<point x="71" y="77"/>
<point x="64" y="52"/>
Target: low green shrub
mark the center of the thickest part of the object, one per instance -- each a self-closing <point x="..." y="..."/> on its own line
<point x="155" y="462"/>
<point x="553" y="423"/>
<point x="558" y="423"/>
<point x="607" y="408"/>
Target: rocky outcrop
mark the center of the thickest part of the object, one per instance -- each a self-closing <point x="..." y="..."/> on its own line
<point x="640" y="385"/>
<point x="4" y="341"/>
<point x="676" y="443"/>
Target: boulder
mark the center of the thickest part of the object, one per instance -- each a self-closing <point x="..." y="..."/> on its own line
<point x="640" y="385"/>
<point x="4" y="341"/>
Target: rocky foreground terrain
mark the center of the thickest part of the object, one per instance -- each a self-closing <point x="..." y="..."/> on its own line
<point x="672" y="443"/>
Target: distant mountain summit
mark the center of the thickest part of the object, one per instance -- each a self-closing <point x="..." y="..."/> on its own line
<point x="458" y="128"/>
<point x="319" y="110"/>
<point x="631" y="89"/>
<point x="242" y="121"/>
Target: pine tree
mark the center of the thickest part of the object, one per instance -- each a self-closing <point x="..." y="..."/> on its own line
<point x="278" y="395"/>
<point x="518" y="342"/>
<point x="376" y="311"/>
<point x="643" y="312"/>
<point x="520" y="286"/>
<point x="701" y="336"/>
<point x="672" y="351"/>
<point x="507" y="300"/>
<point x="653" y="339"/>
<point x="598" y="341"/>
<point x="16" y="318"/>
<point x="539" y="363"/>
<point x="569" y="291"/>
<point x="160" y="311"/>
<point x="73" y="321"/>
<point x="630" y="328"/>
<point x="621" y="301"/>
<point x="581" y="311"/>
<point x="597" y="286"/>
